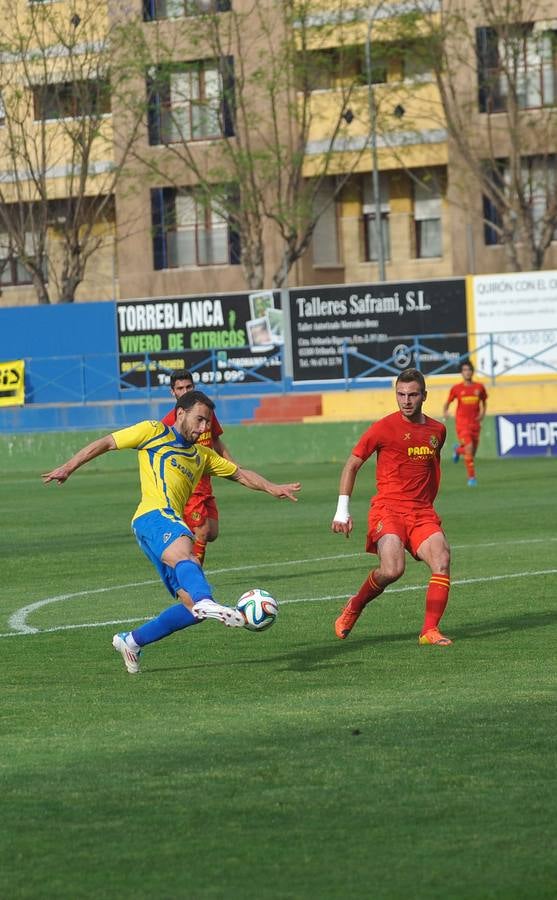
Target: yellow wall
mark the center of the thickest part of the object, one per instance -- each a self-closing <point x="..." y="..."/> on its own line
<point x="354" y="406"/>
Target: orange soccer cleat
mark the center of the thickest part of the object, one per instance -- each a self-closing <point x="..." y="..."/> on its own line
<point x="346" y="621"/>
<point x="433" y="637"/>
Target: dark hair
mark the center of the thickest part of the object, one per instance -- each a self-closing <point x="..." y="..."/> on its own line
<point x="180" y="375"/>
<point x="412" y="375"/>
<point x="186" y="401"/>
<point x="466" y="362"/>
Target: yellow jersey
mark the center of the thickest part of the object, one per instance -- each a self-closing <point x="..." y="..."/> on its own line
<point x="169" y="466"/>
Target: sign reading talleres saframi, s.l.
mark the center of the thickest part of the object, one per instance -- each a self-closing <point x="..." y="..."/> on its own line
<point x="379" y="322"/>
<point x="245" y="332"/>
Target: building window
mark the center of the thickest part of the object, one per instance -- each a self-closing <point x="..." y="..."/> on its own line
<point x="13" y="271"/>
<point x="175" y="9"/>
<point x="427" y="216"/>
<point x="71" y="99"/>
<point x="191" y="101"/>
<point x="521" y="60"/>
<point x="416" y="61"/>
<point x="325" y="242"/>
<point x="534" y="192"/>
<point x="336" y="67"/>
<point x="190" y="232"/>
<point x="371" y="237"/>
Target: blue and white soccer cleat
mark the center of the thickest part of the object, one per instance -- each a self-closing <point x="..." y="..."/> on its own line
<point x="228" y="615"/>
<point x="456" y="454"/>
<point x="472" y="482"/>
<point x="130" y="657"/>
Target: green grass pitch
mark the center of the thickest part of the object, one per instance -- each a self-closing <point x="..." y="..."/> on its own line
<point x="288" y="764"/>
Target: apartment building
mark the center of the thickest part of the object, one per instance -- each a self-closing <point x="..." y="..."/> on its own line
<point x="398" y="194"/>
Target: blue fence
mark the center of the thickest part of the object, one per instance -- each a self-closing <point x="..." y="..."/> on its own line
<point x="91" y="378"/>
<point x="494" y="356"/>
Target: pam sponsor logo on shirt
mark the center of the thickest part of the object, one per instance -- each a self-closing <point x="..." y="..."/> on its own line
<point x="421" y="451"/>
<point x="527" y="435"/>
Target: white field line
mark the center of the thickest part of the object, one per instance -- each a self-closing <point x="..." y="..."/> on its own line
<point x="414" y="587"/>
<point x="18" y="620"/>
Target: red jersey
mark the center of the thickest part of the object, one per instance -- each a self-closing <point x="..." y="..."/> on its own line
<point x="408" y="459"/>
<point x="468" y="397"/>
<point x="207" y="439"/>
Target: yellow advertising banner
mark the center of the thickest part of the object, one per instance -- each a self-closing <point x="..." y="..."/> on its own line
<point x="12" y="383"/>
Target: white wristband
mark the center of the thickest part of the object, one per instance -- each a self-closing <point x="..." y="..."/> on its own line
<point x="342" y="514"/>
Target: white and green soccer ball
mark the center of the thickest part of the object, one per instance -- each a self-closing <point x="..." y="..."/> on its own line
<point x="258" y="608"/>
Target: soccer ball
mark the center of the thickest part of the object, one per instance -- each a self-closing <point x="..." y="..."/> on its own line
<point x="258" y="608"/>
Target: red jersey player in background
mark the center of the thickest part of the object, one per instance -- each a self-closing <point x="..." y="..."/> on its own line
<point x="471" y="400"/>
<point x="200" y="513"/>
<point x="401" y="516"/>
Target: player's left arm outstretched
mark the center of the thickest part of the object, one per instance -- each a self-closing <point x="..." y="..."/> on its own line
<point x="257" y="482"/>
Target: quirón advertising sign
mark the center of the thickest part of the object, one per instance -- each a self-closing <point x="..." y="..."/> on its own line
<point x="513" y="323"/>
<point x="379" y="323"/>
<point x="245" y="331"/>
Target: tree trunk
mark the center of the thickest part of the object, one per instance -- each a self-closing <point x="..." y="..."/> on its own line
<point x="41" y="289"/>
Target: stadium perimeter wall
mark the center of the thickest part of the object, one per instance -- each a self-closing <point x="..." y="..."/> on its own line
<point x="254" y="446"/>
<point x="504" y="398"/>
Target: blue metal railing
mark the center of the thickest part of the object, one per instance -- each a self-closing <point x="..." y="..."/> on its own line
<point x="93" y="378"/>
<point x="494" y="356"/>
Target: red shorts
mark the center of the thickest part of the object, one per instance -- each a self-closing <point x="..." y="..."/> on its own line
<point x="412" y="527"/>
<point x="198" y="509"/>
<point x="468" y="434"/>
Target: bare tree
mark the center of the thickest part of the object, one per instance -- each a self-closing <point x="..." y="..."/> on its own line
<point x="58" y="171"/>
<point x="245" y="78"/>
<point x="494" y="64"/>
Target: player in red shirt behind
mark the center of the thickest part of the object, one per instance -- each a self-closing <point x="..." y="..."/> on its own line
<point x="401" y="516"/>
<point x="200" y="513"/>
<point x="471" y="397"/>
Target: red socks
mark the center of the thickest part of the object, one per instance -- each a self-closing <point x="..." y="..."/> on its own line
<point x="368" y="591"/>
<point x="469" y="463"/>
<point x="199" y="549"/>
<point x="436" y="598"/>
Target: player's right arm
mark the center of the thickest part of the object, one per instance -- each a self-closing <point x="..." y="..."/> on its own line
<point x="135" y="436"/>
<point x="85" y="455"/>
<point x="342" y="521"/>
<point x="448" y="402"/>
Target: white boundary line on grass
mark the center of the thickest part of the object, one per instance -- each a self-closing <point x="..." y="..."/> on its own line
<point x="27" y="629"/>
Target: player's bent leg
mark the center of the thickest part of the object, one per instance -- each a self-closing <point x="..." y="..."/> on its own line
<point x="435" y="551"/>
<point x="191" y="579"/>
<point x="391" y="566"/>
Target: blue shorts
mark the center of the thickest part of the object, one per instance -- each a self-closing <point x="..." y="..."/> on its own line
<point x="154" y="532"/>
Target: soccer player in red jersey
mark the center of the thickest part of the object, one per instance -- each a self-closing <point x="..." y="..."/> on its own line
<point x="471" y="405"/>
<point x="401" y="516"/>
<point x="201" y="512"/>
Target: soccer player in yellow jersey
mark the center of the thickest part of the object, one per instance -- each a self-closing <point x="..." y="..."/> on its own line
<point x="171" y="462"/>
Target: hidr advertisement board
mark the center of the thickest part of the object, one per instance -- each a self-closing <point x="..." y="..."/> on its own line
<point x="378" y="321"/>
<point x="246" y="330"/>
<point x="534" y="434"/>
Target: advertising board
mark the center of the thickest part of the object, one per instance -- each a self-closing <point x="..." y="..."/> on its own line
<point x="513" y="323"/>
<point x="224" y="338"/>
<point x="534" y="434"/>
<point x="379" y="322"/>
